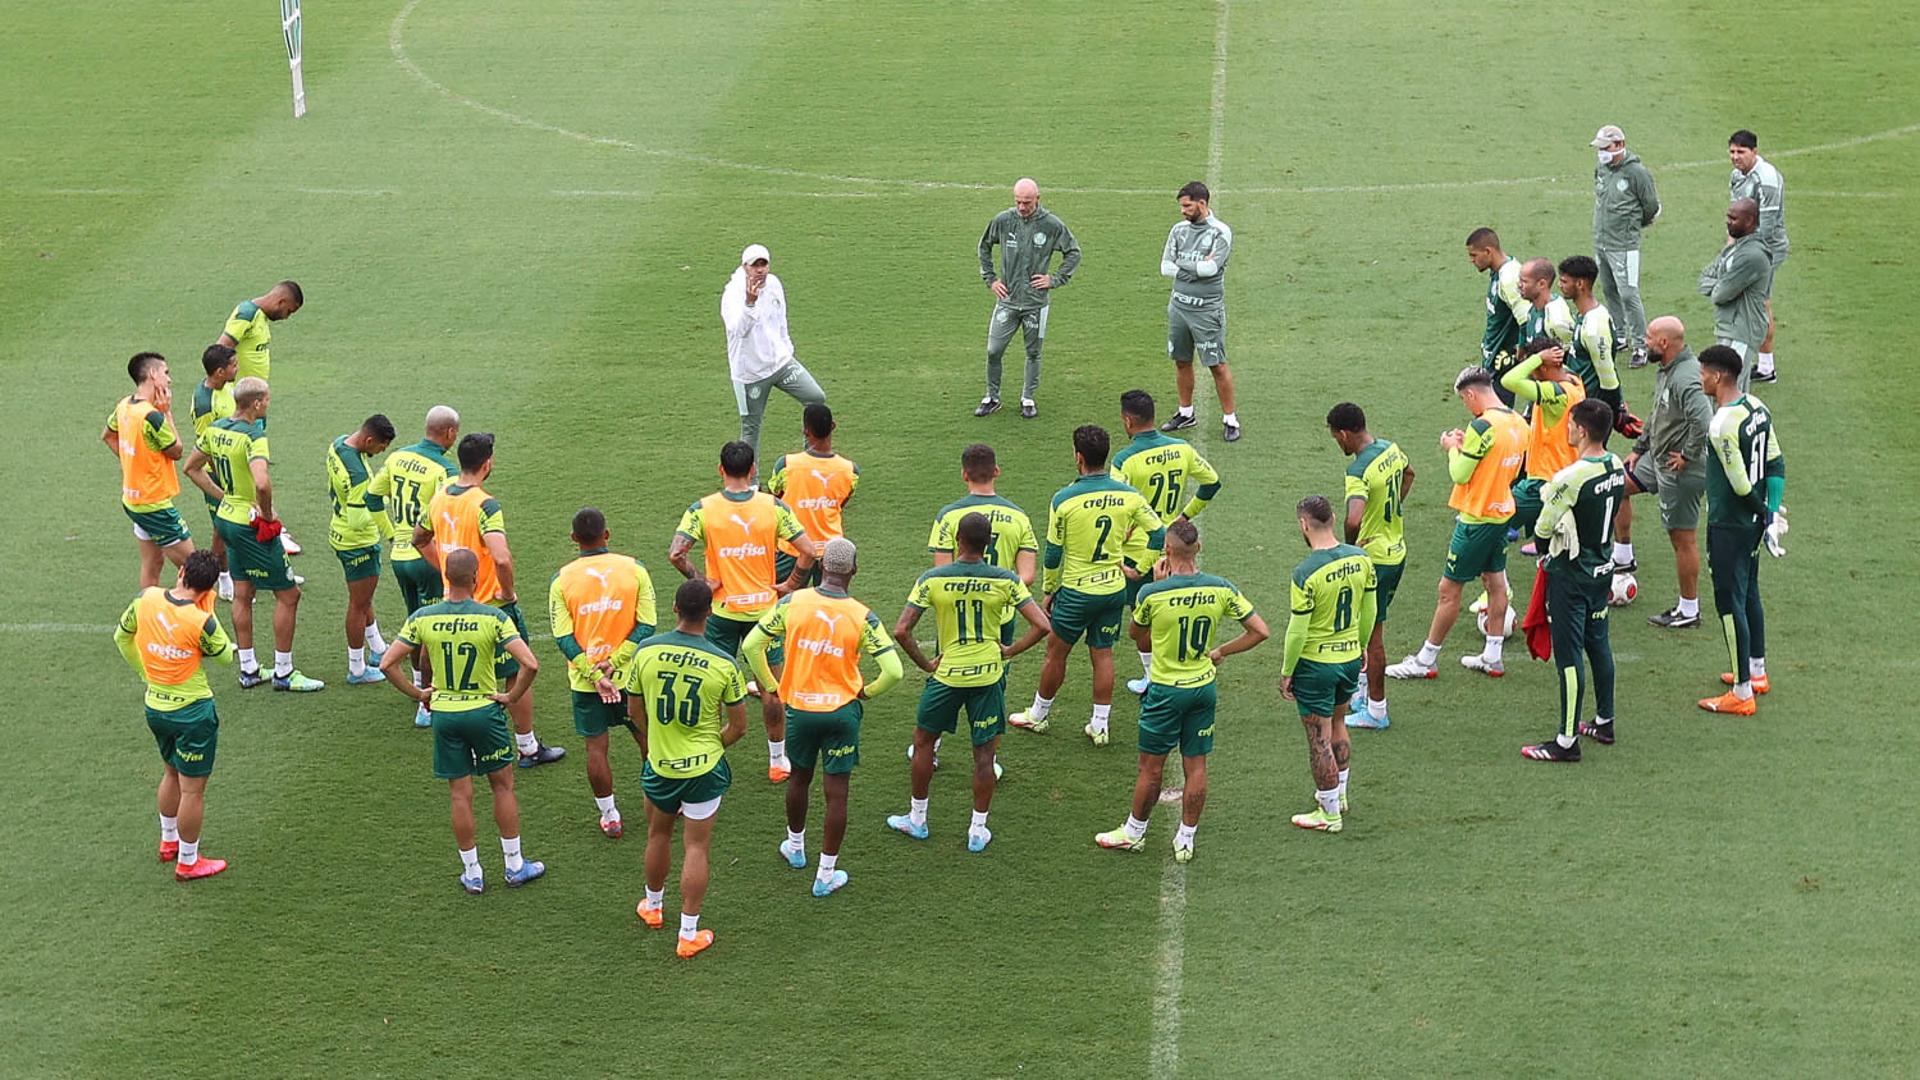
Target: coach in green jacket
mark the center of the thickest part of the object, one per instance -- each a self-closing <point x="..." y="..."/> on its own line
<point x="1737" y="282"/>
<point x="1028" y="237"/>
<point x="1624" y="203"/>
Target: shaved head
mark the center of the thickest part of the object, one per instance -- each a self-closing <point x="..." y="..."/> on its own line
<point x="1670" y="328"/>
<point x="1025" y="186"/>
<point x="1665" y="338"/>
<point x="1026" y="196"/>
<point x="1742" y="217"/>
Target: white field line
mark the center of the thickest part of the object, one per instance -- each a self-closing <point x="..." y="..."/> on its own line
<point x="1163" y="1053"/>
<point x="107" y="628"/>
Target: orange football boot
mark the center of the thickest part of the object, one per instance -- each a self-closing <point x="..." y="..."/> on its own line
<point x="1760" y="684"/>
<point x="169" y="850"/>
<point x="693" y="946"/>
<point x="1727" y="703"/>
<point x="650" y="914"/>
<point x="202" y="868"/>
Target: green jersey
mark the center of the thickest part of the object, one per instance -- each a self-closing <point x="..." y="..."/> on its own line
<point x="210" y="404"/>
<point x="1507" y="314"/>
<point x="359" y="516"/>
<point x="1012" y="529"/>
<point x="684" y="682"/>
<point x="1087" y="527"/>
<point x="1589" y="490"/>
<point x="464" y="639"/>
<point x="1378" y="475"/>
<point x="1333" y="598"/>
<point x="1590" y="351"/>
<point x="232" y="446"/>
<point x="1554" y="319"/>
<point x="1749" y="471"/>
<point x="1184" y="611"/>
<point x="251" y="332"/>
<point x="1027" y="246"/>
<point x="1160" y="467"/>
<point x="969" y="601"/>
<point x="406" y="484"/>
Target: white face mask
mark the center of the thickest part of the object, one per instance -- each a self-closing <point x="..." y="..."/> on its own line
<point x="1605" y="156"/>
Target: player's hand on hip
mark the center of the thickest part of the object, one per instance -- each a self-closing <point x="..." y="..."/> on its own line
<point x="1040" y="281"/>
<point x="999" y="288"/>
<point x="1676" y="461"/>
<point x="1217" y="657"/>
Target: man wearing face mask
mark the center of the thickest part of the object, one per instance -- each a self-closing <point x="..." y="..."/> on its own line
<point x="753" y="308"/>
<point x="1736" y="281"/>
<point x="1624" y="203"/>
<point x="1754" y="177"/>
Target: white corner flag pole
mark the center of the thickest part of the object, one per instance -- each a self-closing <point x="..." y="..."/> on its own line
<point x="290" y="29"/>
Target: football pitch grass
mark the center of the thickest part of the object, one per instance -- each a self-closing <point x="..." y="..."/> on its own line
<point x="527" y="210"/>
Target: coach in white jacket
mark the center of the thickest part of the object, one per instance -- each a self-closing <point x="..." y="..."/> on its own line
<point x="753" y="308"/>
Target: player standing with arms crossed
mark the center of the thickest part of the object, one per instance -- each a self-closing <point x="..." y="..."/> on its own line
<point x="1744" y="487"/>
<point x="1333" y="604"/>
<point x="680" y="687"/>
<point x="1378" y="482"/>
<point x="163" y="635"/>
<point x="407" y="483"/>
<point x="1175" y="619"/>
<point x="1195" y="258"/>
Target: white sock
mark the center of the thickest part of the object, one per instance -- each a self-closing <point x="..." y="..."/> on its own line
<point x="1329" y="801"/>
<point x="979" y="823"/>
<point x="1758" y="665"/>
<point x="1565" y="741"/>
<point x="510" y="847"/>
<point x="356" y="661"/>
<point x="375" y="640"/>
<point x="527" y="744"/>
<point x="189" y="852"/>
<point x="1429" y="653"/>
<point x="656" y="897"/>
<point x="1622" y="553"/>
<point x="1185" y="410"/>
<point x="1230" y="419"/>
<point x="470" y="861"/>
<point x="1135" y="828"/>
<point x="1496" y="645"/>
<point x="1146" y="663"/>
<point x="776" y="751"/>
<point x="1377" y="709"/>
<point x="936" y="745"/>
<point x="826" y="866"/>
<point x="1100" y="713"/>
<point x="1026" y="401"/>
<point x="797" y="841"/>
<point x="689" y="925"/>
<point x="1041" y="707"/>
<point x="1689" y="606"/>
<point x="170" y="829"/>
<point x="917" y="811"/>
<point x="1743" y="691"/>
<point x="282" y="664"/>
<point x="247" y="661"/>
<point x="1766" y="362"/>
<point x="1342" y="789"/>
<point x="1183" y="836"/>
<point x="608" y="811"/>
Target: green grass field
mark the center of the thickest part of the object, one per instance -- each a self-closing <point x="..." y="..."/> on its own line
<point x="527" y="209"/>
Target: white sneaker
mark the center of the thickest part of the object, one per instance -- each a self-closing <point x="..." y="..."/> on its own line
<point x="225" y="588"/>
<point x="1412" y="668"/>
<point x="287" y="542"/>
<point x="1138" y="686"/>
<point x="1490" y="668"/>
<point x="1182" y="853"/>
<point x="1026" y="722"/>
<point x="1099" y="735"/>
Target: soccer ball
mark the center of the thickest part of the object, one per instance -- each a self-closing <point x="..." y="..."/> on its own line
<point x="1625" y="589"/>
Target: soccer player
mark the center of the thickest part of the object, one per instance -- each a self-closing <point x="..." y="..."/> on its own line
<point x="740" y="529"/>
<point x="140" y="434"/>
<point x="753" y="309"/>
<point x="1744" y="486"/>
<point x="1482" y="460"/>
<point x="1023" y="287"/>
<point x="970" y="599"/>
<point x="1175" y="619"/>
<point x="1196" y="259"/>
<point x="1542" y="380"/>
<point x="1547" y="312"/>
<point x="1754" y="177"/>
<point x="471" y="736"/>
<point x="823" y="631"/>
<point x="1670" y="460"/>
<point x="1590" y="341"/>
<point x="1333" y="605"/>
<point x="1575" y="524"/>
<point x="816" y="485"/>
<point x="163" y="635"/>
<point x="1158" y="466"/>
<point x="1625" y="202"/>
<point x="601" y="607"/>
<point x="234" y="449"/>
<point x="679" y="687"/>
<point x="1378" y="482"/>
<point x="1507" y="310"/>
<point x="248" y="332"/>
<point x="407" y="483"/>
<point x="1084" y="582"/>
<point x="358" y="525"/>
<point x="1737" y="281"/>
<point x="463" y="517"/>
<point x="213" y="400"/>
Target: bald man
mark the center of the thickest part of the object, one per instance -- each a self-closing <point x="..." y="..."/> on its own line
<point x="1737" y="281"/>
<point x="1548" y="315"/>
<point x="1670" y="460"/>
<point x="1028" y="237"/>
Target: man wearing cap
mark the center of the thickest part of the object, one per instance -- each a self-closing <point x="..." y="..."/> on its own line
<point x="1022" y="286"/>
<point x="1624" y="202"/>
<point x="753" y="308"/>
